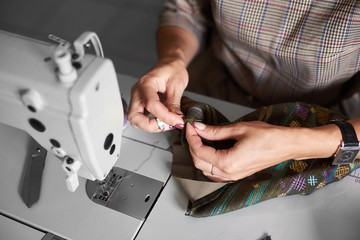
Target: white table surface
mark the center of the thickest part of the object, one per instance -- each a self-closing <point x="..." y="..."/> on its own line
<point x="332" y="213"/>
<point x="12" y="230"/>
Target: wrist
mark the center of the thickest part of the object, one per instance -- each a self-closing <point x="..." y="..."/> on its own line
<point x="317" y="142"/>
<point x="172" y="59"/>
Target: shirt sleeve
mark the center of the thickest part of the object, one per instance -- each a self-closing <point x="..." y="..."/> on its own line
<point x="192" y="15"/>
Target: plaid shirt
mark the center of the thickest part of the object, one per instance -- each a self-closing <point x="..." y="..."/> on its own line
<point x="277" y="50"/>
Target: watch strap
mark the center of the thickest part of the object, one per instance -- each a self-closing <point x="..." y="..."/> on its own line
<point x="348" y="133"/>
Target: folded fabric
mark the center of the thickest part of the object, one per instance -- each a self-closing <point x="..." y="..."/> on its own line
<point x="287" y="178"/>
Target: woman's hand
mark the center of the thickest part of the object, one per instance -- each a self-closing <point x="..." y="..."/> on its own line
<point x="258" y="146"/>
<point x="168" y="78"/>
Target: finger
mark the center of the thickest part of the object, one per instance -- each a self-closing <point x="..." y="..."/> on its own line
<point x="217" y="133"/>
<point x="135" y="104"/>
<point x="173" y="100"/>
<point x="164" y="114"/>
<point x="211" y="171"/>
<point x="219" y="176"/>
<point x="153" y="104"/>
<point x="203" y="154"/>
<point x="216" y="178"/>
<point x="202" y="165"/>
<point x="136" y="115"/>
<point x="145" y="123"/>
<point x="204" y="157"/>
<point x="200" y="151"/>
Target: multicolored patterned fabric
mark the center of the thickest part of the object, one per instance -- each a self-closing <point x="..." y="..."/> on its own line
<point x="287" y="178"/>
<point x="278" y="51"/>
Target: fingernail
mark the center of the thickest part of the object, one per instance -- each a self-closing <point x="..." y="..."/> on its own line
<point x="179" y="126"/>
<point x="167" y="128"/>
<point x="199" y="125"/>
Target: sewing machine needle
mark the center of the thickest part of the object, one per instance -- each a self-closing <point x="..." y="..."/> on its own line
<point x="35" y="162"/>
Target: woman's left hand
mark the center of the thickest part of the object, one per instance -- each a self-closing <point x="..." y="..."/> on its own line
<point x="258" y="145"/>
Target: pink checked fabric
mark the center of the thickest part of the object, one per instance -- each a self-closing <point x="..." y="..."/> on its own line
<point x="276" y="50"/>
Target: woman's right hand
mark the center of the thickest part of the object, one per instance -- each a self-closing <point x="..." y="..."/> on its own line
<point x="159" y="92"/>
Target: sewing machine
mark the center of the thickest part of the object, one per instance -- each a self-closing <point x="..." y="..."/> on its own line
<point x="69" y="101"/>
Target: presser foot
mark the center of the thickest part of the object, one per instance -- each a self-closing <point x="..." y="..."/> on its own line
<point x="126" y="192"/>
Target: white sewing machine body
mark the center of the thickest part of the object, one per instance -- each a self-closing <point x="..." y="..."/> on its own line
<point x="80" y="120"/>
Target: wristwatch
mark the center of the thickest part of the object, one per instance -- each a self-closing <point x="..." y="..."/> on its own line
<point x="349" y="148"/>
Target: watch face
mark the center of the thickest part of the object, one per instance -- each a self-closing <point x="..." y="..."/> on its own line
<point x="346" y="156"/>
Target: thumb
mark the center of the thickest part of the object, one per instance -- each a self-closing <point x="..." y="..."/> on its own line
<point x="215" y="133"/>
<point x="174" y="106"/>
<point x="173" y="100"/>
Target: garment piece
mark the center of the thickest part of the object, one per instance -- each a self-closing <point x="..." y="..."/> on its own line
<point x="278" y="51"/>
<point x="287" y="178"/>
